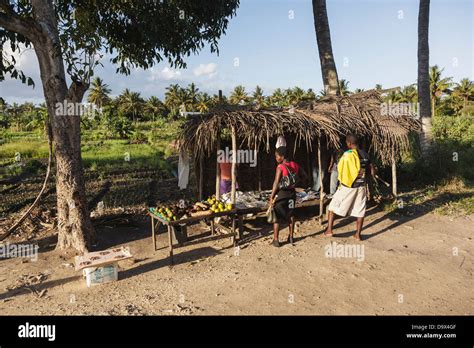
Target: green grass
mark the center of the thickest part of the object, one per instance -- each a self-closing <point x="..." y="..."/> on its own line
<point x="451" y="197"/>
<point x="27" y="148"/>
<point x="98" y="154"/>
<point x="464" y="206"/>
<point x="120" y="154"/>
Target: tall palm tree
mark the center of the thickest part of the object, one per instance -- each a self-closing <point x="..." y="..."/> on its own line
<point x="154" y="106"/>
<point x="99" y="93"/>
<point x="277" y="98"/>
<point x="203" y="102"/>
<point x="423" y="76"/>
<point x="172" y="96"/>
<point x="258" y="98"/>
<point x="392" y="97"/>
<point x="323" y="38"/>
<point x="238" y="95"/>
<point x="192" y="95"/>
<point x="464" y="90"/>
<point x="438" y="85"/>
<point x="289" y="96"/>
<point x="408" y="94"/>
<point x="298" y="95"/>
<point x="185" y="101"/>
<point x="344" y="87"/>
<point x="131" y="102"/>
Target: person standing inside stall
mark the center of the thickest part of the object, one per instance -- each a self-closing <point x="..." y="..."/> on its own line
<point x="226" y="177"/>
<point x="283" y="196"/>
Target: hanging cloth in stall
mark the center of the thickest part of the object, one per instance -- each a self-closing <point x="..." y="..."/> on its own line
<point x="183" y="170"/>
<point x="281" y="141"/>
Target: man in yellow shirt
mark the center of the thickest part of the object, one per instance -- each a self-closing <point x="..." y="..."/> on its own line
<point x="350" y="197"/>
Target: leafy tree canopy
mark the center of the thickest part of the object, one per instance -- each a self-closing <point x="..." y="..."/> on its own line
<point x="135" y="33"/>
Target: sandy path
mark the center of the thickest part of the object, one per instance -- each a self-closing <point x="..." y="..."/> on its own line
<point x="407" y="268"/>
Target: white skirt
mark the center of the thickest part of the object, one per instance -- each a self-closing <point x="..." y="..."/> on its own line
<point x="349" y="201"/>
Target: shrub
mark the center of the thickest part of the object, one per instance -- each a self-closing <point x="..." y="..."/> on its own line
<point x="452" y="154"/>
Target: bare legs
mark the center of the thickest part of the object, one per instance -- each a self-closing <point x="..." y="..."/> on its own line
<point x="291" y="227"/>
<point x="359" y="224"/>
<point x="276" y="230"/>
<point x="328" y="231"/>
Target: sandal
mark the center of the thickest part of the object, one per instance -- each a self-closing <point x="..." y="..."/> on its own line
<point x="276" y="243"/>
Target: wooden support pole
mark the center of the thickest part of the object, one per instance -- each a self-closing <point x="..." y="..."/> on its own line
<point x="153" y="232"/>
<point x="170" y="241"/>
<point x="201" y="177"/>
<point x="234" y="240"/>
<point x="394" y="176"/>
<point x="218" y="168"/>
<point x="234" y="164"/>
<point x="320" y="183"/>
<point x="259" y="170"/>
<point x="241" y="226"/>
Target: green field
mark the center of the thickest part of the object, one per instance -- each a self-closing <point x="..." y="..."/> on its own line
<point x="150" y="151"/>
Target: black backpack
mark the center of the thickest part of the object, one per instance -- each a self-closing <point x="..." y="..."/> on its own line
<point x="288" y="181"/>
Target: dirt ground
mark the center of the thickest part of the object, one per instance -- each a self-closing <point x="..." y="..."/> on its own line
<point x="410" y="265"/>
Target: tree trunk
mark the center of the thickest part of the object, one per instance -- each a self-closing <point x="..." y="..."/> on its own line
<point x="323" y="37"/>
<point x="74" y="225"/>
<point x="424" y="96"/>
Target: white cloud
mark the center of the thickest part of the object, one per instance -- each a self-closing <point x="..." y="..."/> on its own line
<point x="25" y="58"/>
<point x="206" y="70"/>
<point x="164" y="74"/>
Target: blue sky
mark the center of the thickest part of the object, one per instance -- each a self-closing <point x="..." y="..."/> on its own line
<point x="274" y="43"/>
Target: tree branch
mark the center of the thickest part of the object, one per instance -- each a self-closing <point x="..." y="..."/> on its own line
<point x="11" y="22"/>
<point x="76" y="91"/>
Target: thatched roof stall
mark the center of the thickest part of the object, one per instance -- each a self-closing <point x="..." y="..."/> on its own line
<point x="254" y="127"/>
<point x="332" y="117"/>
<point x="327" y="119"/>
<point x="365" y="115"/>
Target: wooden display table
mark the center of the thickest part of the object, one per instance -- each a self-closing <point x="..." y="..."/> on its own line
<point x="183" y="223"/>
<point x="259" y="211"/>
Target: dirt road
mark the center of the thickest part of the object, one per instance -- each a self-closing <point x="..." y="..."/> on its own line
<point x="416" y="265"/>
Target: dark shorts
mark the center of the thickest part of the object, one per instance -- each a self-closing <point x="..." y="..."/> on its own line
<point x="285" y="205"/>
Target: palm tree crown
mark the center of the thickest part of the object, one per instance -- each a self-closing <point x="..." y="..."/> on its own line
<point x="99" y="93"/>
<point x="438" y="85"/>
<point x="131" y="102"/>
<point x="238" y="95"/>
<point x="464" y="90"/>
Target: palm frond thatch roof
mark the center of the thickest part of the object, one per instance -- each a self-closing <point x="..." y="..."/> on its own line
<point x="330" y="117"/>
